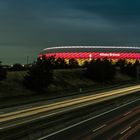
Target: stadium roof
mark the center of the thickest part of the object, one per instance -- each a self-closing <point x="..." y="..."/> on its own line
<point x="91" y="49"/>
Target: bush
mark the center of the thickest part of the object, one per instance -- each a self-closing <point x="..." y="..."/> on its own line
<point x="60" y="63"/>
<point x="128" y="68"/>
<point x="131" y="69"/>
<point x="17" y="67"/>
<point x="121" y="63"/>
<point x="3" y="73"/>
<point x="85" y="64"/>
<point x="100" y="70"/>
<point x="73" y="63"/>
<point x="40" y="75"/>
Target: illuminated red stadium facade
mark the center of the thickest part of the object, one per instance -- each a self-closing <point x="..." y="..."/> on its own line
<point x="92" y="52"/>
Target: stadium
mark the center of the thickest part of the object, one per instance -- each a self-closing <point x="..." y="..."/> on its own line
<point x="82" y="53"/>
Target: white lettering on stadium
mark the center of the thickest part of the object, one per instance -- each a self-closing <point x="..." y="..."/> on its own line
<point x="109" y="54"/>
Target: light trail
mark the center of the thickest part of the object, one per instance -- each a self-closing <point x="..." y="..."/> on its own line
<point x="85" y="121"/>
<point x="69" y="103"/>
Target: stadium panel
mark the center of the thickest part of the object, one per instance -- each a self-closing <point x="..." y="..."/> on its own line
<point x="92" y="52"/>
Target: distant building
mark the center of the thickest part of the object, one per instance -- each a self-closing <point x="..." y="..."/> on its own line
<point x="92" y="52"/>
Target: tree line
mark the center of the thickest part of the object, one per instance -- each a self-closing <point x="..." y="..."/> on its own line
<point x="40" y="73"/>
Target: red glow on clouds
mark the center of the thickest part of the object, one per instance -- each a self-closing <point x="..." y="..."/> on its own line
<point x="93" y="55"/>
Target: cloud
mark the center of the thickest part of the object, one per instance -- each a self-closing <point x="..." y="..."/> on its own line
<point x="34" y="24"/>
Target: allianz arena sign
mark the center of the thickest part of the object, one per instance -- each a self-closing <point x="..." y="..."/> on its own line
<point x="110" y="54"/>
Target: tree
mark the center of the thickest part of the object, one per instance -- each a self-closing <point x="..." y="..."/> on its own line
<point x="85" y="64"/>
<point x="17" y="67"/>
<point x="131" y="69"/>
<point x="3" y="72"/>
<point x="73" y="63"/>
<point x="60" y="63"/>
<point x="100" y="70"/>
<point x="128" y="68"/>
<point x="40" y="75"/>
<point x="121" y="63"/>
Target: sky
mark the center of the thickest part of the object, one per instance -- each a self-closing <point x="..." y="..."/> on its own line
<point x="28" y="26"/>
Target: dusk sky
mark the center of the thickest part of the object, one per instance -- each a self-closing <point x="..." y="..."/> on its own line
<point x="28" y="26"/>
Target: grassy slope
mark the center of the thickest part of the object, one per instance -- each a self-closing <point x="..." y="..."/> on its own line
<point x="63" y="80"/>
<point x="12" y="86"/>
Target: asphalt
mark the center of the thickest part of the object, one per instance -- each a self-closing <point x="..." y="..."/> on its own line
<point x="35" y="123"/>
<point x="117" y="128"/>
<point x="43" y="101"/>
<point x="72" y="103"/>
<point x="85" y="130"/>
<point x="22" y="102"/>
<point x="135" y="136"/>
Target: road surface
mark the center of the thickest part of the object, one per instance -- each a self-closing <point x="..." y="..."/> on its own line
<point x="28" y="117"/>
<point x="110" y="125"/>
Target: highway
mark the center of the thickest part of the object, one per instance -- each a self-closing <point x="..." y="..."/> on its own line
<point x="115" y="128"/>
<point x="68" y="104"/>
<point x="63" y="111"/>
<point x="133" y="134"/>
<point x="117" y="124"/>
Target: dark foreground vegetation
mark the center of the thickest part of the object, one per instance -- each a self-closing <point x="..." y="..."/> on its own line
<point x="101" y="70"/>
<point x="40" y="75"/>
<point x="3" y="72"/>
<point x="51" y="74"/>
